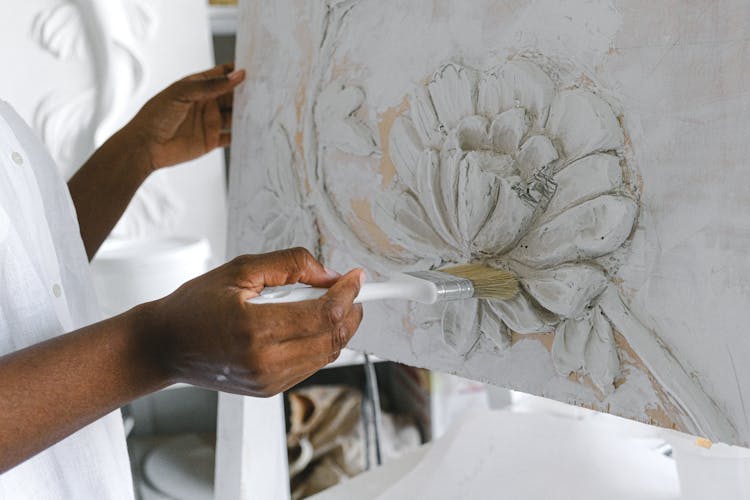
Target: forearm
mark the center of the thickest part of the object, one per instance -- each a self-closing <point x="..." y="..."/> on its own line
<point x="51" y="389"/>
<point x="105" y="184"/>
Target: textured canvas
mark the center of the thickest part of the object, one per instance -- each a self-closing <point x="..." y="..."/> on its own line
<point x="595" y="148"/>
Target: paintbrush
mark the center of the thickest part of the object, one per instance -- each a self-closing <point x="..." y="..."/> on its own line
<point x="450" y="283"/>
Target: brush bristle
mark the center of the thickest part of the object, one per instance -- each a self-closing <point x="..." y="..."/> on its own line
<point x="489" y="283"/>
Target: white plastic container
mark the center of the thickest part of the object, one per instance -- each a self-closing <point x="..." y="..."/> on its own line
<point x="129" y="272"/>
<point x="719" y="472"/>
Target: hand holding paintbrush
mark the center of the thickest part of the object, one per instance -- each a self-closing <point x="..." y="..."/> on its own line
<point x="427" y="287"/>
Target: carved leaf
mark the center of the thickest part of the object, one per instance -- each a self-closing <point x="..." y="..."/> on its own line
<point x="583" y="123"/>
<point x="60" y="30"/>
<point x="338" y="126"/>
<point x="278" y="211"/>
<point x="283" y="180"/>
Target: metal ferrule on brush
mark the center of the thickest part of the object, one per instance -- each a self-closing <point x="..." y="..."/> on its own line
<point x="449" y="287"/>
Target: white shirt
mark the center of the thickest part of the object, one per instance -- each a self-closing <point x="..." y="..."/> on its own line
<point x="45" y="290"/>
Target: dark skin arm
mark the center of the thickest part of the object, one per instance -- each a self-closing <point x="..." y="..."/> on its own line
<point x="186" y="120"/>
<point x="205" y="333"/>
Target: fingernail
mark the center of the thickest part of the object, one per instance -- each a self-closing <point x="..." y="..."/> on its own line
<point x="362" y="277"/>
<point x="331" y="273"/>
<point x="236" y="75"/>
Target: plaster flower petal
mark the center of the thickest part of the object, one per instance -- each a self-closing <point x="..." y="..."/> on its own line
<point x="601" y="360"/>
<point x="569" y="345"/>
<point x="535" y="153"/>
<point x="583" y="123"/>
<point x="509" y="219"/>
<point x="565" y="290"/>
<point x="508" y="129"/>
<point x="472" y="133"/>
<point x="586" y="231"/>
<point x="449" y="172"/>
<point x="584" y="180"/>
<point x="480" y="176"/>
<point x="490" y="94"/>
<point x="529" y="87"/>
<point x="491" y="325"/>
<point x="522" y="316"/>
<point x="452" y="92"/>
<point x="460" y="324"/>
<point x="427" y="189"/>
<point x="425" y="118"/>
<point x="405" y="149"/>
<point x="407" y="225"/>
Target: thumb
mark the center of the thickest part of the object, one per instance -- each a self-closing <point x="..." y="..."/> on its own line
<point x="346" y="289"/>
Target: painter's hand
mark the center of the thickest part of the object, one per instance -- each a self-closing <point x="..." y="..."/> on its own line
<point x="208" y="335"/>
<point x="189" y="118"/>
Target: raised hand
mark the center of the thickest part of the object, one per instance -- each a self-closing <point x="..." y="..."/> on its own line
<point x="189" y="118"/>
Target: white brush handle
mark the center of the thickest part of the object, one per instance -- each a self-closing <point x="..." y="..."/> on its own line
<point x="399" y="286"/>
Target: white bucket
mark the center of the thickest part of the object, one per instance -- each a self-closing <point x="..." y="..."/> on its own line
<point x="130" y="272"/>
<point x="720" y="472"/>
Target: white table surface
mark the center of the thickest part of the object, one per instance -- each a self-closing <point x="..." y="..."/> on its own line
<point x="506" y="454"/>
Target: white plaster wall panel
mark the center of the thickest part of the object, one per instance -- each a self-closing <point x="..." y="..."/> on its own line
<point x="82" y="68"/>
<point x="594" y="148"/>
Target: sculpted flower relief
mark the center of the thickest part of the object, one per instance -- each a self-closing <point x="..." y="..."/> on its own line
<point x="498" y="167"/>
<point x="501" y="167"/>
